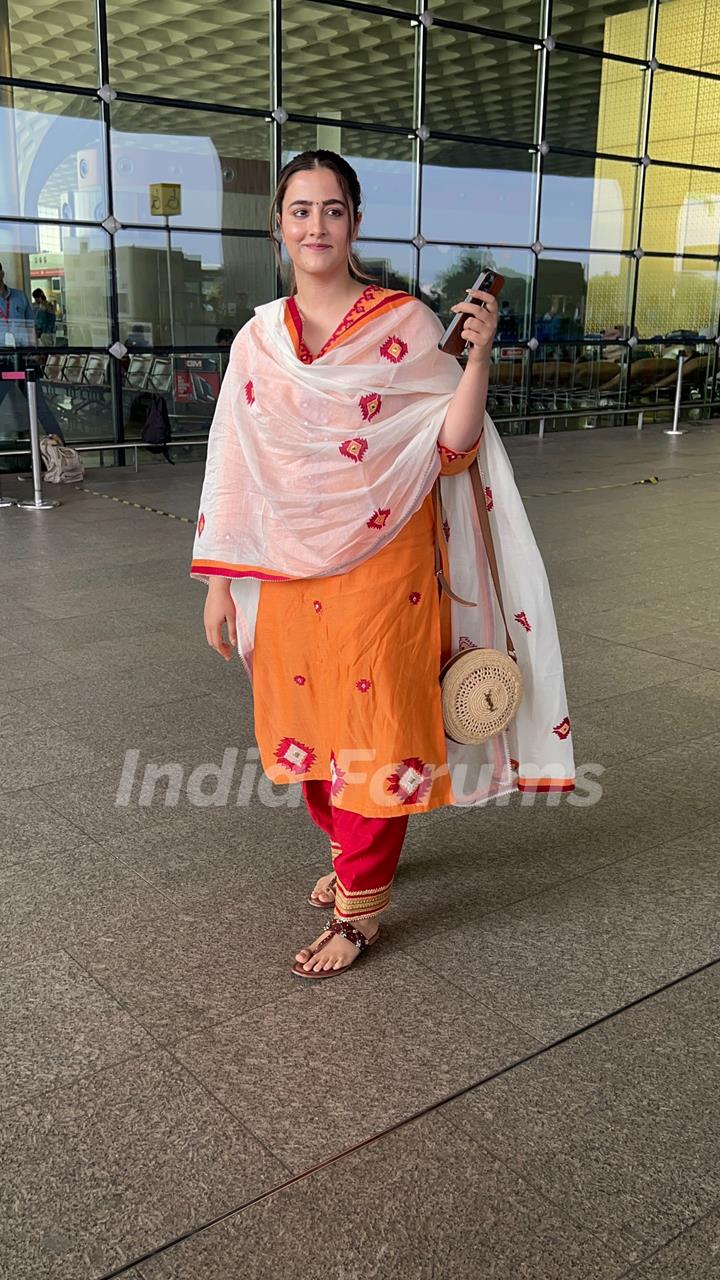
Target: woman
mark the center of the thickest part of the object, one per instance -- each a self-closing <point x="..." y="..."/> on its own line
<point x="316" y="535"/>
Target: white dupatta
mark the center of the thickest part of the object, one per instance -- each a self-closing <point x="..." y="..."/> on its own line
<point x="312" y="468"/>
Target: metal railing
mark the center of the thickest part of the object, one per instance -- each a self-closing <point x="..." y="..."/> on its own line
<point x="540" y="418"/>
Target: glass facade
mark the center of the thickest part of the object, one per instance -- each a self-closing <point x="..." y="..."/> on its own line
<point x="574" y="148"/>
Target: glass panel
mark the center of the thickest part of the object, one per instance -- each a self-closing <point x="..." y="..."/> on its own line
<point x="522" y="18"/>
<point x="53" y="152"/>
<point x="685" y="119"/>
<point x="707" y="122"/>
<point x="221" y="162"/>
<point x="688" y="34"/>
<point x="189" y="382"/>
<point x="474" y="193"/>
<point x="479" y="85"/>
<point x="594" y="104"/>
<point x="346" y="64"/>
<point x="446" y="272"/>
<point x="385" y="167"/>
<point x="581" y="295"/>
<point x="206" y="53"/>
<point x="390" y="265"/>
<point x="615" y="26"/>
<point x="677" y="297"/>
<point x="55" y="283"/>
<point x="507" y="384"/>
<point x="573" y="376"/>
<point x="681" y="211"/>
<point x="70" y="265"/>
<point x="673" y="114"/>
<point x="56" y="47"/>
<point x="215" y="281"/>
<point x="588" y="202"/>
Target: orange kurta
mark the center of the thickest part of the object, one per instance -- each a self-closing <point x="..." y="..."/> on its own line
<point x="345" y="668"/>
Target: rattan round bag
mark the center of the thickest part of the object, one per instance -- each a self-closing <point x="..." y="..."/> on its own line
<point x="481" y="691"/>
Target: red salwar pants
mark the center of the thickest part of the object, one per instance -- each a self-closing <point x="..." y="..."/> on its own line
<point x="365" y="853"/>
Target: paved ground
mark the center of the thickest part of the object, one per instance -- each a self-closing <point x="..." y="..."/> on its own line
<point x="520" y="1082"/>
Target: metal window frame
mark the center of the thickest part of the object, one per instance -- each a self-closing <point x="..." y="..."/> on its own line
<point x="422" y="19"/>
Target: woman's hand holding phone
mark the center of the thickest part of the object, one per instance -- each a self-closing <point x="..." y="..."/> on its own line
<point x="479" y="328"/>
<point x="472" y="328"/>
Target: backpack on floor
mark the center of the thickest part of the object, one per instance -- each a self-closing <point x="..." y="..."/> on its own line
<point x="62" y="464"/>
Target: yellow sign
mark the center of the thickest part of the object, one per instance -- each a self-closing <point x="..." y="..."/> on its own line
<point x="165" y="198"/>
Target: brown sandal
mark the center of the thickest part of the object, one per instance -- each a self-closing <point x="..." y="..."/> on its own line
<point x="348" y="931"/>
<point x="315" y="902"/>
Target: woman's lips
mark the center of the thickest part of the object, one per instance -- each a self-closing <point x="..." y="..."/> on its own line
<point x="317" y="248"/>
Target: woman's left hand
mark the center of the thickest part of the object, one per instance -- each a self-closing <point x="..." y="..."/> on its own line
<point x="479" y="328"/>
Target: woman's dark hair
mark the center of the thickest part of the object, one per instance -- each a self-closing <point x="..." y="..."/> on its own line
<point x="350" y="187"/>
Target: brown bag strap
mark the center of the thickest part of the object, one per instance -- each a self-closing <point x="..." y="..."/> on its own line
<point x="479" y="494"/>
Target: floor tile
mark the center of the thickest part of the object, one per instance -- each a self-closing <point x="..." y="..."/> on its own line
<point x="217" y="858"/>
<point x="618" y="1126"/>
<point x="308" y="1083"/>
<point x="555" y="962"/>
<point x="463" y="1214"/>
<point x="120" y="1162"/>
<point x="693" y="1255"/>
<point x="45" y="755"/>
<point x="35" y="634"/>
<point x="57" y="1024"/>
<point x="63" y="700"/>
<point x="198" y="728"/>
<point x="626" y="623"/>
<point x="124" y="798"/>
<point x="690" y="644"/>
<point x="28" y="827"/>
<point x="68" y="896"/>
<point x="612" y="674"/>
<point x="177" y="974"/>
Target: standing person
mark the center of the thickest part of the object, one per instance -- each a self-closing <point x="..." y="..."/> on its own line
<point x="316" y="536"/>
<point x="45" y="319"/>
<point x="17" y="329"/>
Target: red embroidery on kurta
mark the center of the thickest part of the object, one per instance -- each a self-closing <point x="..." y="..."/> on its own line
<point x="446" y="530"/>
<point x="295" y="755"/>
<point x="393" y="348"/>
<point x="299" y="679"/>
<point x="370" y="405"/>
<point x="379" y="518"/>
<point x="337" y="777"/>
<point x="522" y="619"/>
<point x="249" y="392"/>
<point x="363" y="685"/>
<point x="489" y="500"/>
<point x="466" y="643"/>
<point x="414" y="597"/>
<point x="449" y="454"/>
<point x="354" y="449"/>
<point x="201" y="524"/>
<point x="563" y="728"/>
<point x="412" y="780"/>
<point x="317" y="606"/>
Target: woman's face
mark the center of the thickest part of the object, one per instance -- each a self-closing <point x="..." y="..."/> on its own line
<point x="314" y="213"/>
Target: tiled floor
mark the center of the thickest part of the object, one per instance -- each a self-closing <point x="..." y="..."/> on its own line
<point x="520" y="1083"/>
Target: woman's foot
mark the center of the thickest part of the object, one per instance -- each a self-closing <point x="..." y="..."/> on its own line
<point x="323" y="895"/>
<point x="338" y="953"/>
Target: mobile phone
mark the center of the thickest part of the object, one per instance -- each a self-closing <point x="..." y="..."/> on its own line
<point x="452" y="340"/>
